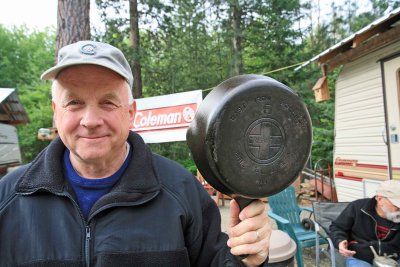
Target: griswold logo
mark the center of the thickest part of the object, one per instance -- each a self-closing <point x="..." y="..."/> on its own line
<point x="264" y="140"/>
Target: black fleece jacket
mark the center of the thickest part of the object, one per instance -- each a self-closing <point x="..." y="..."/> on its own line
<point x="358" y="224"/>
<point x="157" y="214"/>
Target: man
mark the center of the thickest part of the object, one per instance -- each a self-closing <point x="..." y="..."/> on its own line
<point x="97" y="196"/>
<point x="370" y="222"/>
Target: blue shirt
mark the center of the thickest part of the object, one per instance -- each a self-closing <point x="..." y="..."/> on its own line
<point x="88" y="191"/>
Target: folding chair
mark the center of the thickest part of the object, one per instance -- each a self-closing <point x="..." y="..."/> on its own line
<point x="286" y="212"/>
<point x="324" y="214"/>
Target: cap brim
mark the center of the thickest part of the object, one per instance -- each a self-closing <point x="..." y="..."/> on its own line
<point x="395" y="201"/>
<point x="53" y="72"/>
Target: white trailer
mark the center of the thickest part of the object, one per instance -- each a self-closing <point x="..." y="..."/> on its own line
<point x="367" y="107"/>
<point x="367" y="125"/>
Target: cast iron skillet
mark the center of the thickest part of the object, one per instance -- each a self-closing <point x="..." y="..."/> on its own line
<point x="251" y="137"/>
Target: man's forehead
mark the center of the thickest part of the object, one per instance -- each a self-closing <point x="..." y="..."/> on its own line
<point x="112" y="94"/>
<point x="75" y="79"/>
<point x="85" y="71"/>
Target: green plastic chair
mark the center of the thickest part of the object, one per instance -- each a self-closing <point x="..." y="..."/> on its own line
<point x="286" y="212"/>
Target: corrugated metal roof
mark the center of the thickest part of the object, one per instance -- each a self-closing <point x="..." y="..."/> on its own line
<point x="349" y="39"/>
<point x="5" y="92"/>
<point x="11" y="109"/>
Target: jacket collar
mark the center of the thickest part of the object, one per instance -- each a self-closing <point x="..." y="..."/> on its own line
<point x="370" y="205"/>
<point x="369" y="208"/>
<point x="139" y="179"/>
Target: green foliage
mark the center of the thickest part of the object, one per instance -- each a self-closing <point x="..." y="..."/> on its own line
<point x="187" y="45"/>
<point x="37" y="103"/>
<point x="24" y="55"/>
<point x="270" y="37"/>
<point x="178" y="151"/>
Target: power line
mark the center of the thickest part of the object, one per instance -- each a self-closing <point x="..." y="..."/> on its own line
<point x="284" y="68"/>
<point x="265" y="73"/>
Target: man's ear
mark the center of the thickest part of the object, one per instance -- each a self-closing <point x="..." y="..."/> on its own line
<point x="53" y="105"/>
<point x="132" y="110"/>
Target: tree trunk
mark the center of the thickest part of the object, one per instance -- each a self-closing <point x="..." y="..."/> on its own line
<point x="73" y="23"/>
<point x="237" y="14"/>
<point x="135" y="40"/>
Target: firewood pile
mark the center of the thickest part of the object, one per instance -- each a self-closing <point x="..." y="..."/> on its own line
<point x="306" y="194"/>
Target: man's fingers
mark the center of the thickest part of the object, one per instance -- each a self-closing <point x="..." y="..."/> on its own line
<point x="343" y="245"/>
<point x="252" y="218"/>
<point x="248" y="238"/>
<point x="234" y="214"/>
<point x="249" y="232"/>
<point x="257" y="251"/>
<point x="346" y="252"/>
<point x="250" y="248"/>
<point x="256" y="208"/>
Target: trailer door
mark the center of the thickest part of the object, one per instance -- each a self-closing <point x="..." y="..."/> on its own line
<point x="391" y="85"/>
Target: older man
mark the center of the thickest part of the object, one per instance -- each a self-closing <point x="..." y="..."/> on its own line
<point x="370" y="222"/>
<point x="97" y="196"/>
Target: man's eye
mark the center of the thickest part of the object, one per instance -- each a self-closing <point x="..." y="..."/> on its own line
<point x="110" y="104"/>
<point x="73" y="102"/>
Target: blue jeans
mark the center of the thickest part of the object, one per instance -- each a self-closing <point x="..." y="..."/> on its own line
<point x="353" y="262"/>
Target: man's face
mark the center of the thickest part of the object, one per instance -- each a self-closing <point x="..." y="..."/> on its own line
<point x="92" y="113"/>
<point x="392" y="212"/>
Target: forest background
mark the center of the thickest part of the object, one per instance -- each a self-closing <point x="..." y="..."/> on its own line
<point x="183" y="45"/>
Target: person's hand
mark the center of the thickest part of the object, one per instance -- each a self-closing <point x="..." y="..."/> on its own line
<point x="249" y="232"/>
<point x="343" y="245"/>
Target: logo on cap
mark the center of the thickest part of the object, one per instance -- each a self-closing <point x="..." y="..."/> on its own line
<point x="88" y="49"/>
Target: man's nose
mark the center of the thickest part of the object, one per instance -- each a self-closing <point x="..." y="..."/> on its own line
<point x="91" y="117"/>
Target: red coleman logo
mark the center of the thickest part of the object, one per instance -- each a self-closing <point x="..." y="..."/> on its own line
<point x="163" y="118"/>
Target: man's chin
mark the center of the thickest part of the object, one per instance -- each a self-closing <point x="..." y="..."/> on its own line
<point x="91" y="156"/>
<point x="393" y="216"/>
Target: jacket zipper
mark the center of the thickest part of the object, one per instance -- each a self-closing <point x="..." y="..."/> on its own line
<point x="376" y="230"/>
<point x="87" y="226"/>
<point x="87" y="246"/>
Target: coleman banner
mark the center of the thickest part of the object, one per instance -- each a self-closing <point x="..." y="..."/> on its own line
<point x="165" y="118"/>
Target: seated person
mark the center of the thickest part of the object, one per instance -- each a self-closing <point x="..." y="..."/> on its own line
<point x="369" y="222"/>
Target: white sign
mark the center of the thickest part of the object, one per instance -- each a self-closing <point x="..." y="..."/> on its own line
<point x="165" y="118"/>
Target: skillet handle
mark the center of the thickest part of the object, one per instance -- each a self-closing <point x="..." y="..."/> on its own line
<point x="243" y="202"/>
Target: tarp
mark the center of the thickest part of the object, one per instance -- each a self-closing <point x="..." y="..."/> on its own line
<point x="165" y="118"/>
<point x="9" y="147"/>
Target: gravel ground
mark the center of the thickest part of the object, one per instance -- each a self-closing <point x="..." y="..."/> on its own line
<point x="308" y="253"/>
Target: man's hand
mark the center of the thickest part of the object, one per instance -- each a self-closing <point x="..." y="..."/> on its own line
<point x="249" y="232"/>
<point x="343" y="245"/>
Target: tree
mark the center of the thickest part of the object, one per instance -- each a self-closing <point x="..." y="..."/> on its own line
<point x="236" y="12"/>
<point x="188" y="44"/>
<point x="73" y="23"/>
<point x="135" y="40"/>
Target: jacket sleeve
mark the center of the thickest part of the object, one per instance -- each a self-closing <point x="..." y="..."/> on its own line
<point x="214" y="242"/>
<point x="340" y="229"/>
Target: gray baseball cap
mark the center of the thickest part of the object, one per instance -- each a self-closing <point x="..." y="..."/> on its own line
<point x="90" y="52"/>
